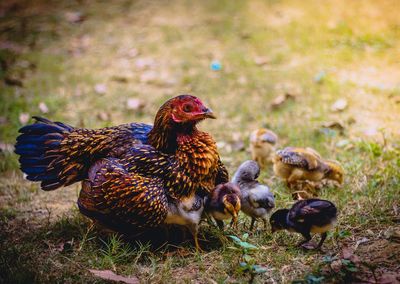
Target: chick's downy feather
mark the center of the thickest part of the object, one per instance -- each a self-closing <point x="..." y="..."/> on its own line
<point x="257" y="200"/>
<point x="262" y="145"/>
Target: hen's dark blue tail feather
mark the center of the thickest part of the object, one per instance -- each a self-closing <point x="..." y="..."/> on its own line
<point x="38" y="147"/>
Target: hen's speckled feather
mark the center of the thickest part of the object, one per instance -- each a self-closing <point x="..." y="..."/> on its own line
<point x="124" y="197"/>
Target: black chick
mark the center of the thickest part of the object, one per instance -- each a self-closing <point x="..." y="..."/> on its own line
<point x="306" y="217"/>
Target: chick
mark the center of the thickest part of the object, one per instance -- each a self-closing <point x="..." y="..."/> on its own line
<point x="262" y="143"/>
<point x="224" y="203"/>
<point x="186" y="212"/>
<point x="306" y="217"/>
<point x="305" y="164"/>
<point x="257" y="200"/>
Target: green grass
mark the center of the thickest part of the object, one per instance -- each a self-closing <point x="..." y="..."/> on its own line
<point x="355" y="45"/>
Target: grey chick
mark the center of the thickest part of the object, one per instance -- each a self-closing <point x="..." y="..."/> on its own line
<point x="257" y="200"/>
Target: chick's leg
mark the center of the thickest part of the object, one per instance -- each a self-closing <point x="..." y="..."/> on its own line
<point x="220" y="224"/>
<point x="265" y="223"/>
<point x="194" y="229"/>
<point x="234" y="223"/>
<point x="323" y="237"/>
<point x="293" y="178"/>
<point x="253" y="220"/>
<point x="305" y="243"/>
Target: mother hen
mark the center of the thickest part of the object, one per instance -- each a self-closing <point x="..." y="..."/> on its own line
<point x="131" y="172"/>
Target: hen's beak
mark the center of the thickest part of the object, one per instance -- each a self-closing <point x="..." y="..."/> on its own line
<point x="208" y="113"/>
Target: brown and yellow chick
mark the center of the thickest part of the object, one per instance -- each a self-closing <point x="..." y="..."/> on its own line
<point x="224" y="203"/>
<point x="262" y="146"/>
<point x="186" y="212"/>
<point x="295" y="164"/>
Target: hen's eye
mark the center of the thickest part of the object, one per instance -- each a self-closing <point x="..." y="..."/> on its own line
<point x="187" y="108"/>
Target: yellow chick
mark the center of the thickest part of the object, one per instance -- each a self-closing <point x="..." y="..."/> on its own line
<point x="294" y="164"/>
<point x="262" y="146"/>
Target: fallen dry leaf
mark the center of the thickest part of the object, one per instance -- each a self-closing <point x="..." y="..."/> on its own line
<point x="104" y="116"/>
<point x="336" y="265"/>
<point x="148" y="76"/>
<point x="339" y="105"/>
<point x="133" y="52"/>
<point x="371" y="131"/>
<point x="261" y="60"/>
<point x="238" y="145"/>
<point x="110" y="275"/>
<point x="389" y="278"/>
<point x="100" y="89"/>
<point x="242" y="80"/>
<point x="142" y="63"/>
<point x="362" y="241"/>
<point x="74" y="17"/>
<point x="334" y="125"/>
<point x="135" y="104"/>
<point x="24" y="118"/>
<point x="43" y="107"/>
<point x="392" y="233"/>
<point x="348" y="253"/>
<point x="281" y="99"/>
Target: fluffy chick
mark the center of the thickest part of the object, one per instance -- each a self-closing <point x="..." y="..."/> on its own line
<point x="186" y="212"/>
<point x="262" y="146"/>
<point x="257" y="200"/>
<point x="223" y="203"/>
<point x="306" y="217"/>
<point x="305" y="164"/>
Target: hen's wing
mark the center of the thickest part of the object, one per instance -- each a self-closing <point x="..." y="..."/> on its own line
<point x="305" y="158"/>
<point x="57" y="154"/>
<point x="123" y="199"/>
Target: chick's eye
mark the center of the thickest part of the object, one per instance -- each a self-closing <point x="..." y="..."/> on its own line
<point x="187" y="108"/>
